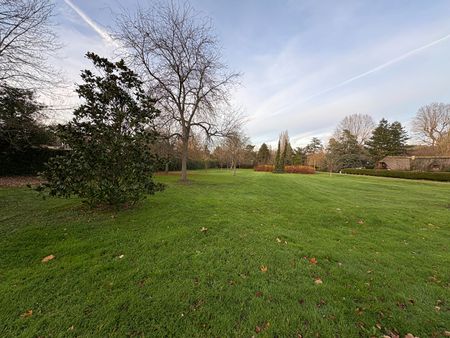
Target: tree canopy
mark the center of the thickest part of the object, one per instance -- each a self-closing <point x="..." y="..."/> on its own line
<point x="109" y="160"/>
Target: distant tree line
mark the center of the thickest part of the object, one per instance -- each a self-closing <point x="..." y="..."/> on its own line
<point x="359" y="143"/>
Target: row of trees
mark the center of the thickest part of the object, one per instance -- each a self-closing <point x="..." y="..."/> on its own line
<point x="359" y="142"/>
<point x="171" y="91"/>
<point x="171" y="47"/>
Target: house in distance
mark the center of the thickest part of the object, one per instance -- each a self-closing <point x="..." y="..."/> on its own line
<point x="417" y="163"/>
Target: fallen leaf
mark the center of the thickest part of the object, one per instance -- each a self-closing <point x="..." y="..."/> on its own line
<point x="258" y="294"/>
<point x="446" y="333"/>
<point x="47" y="258"/>
<point x="257" y="329"/>
<point x="437" y="308"/>
<point x="361" y="221"/>
<point x="318" y="281"/>
<point x="71" y="328"/>
<point x="313" y="260"/>
<point x="121" y="256"/>
<point x="27" y="314"/>
<point x="203" y="229"/>
<point x="321" y="303"/>
<point x="278" y="240"/>
<point x="263" y="268"/>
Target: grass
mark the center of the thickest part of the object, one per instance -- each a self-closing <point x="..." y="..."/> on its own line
<point x="381" y="245"/>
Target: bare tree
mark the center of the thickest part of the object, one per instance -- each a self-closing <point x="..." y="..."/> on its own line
<point x="234" y="146"/>
<point x="27" y="40"/>
<point x="179" y="58"/>
<point x="432" y="122"/>
<point x="359" y="125"/>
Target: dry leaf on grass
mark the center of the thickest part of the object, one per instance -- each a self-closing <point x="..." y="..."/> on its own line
<point x="47" y="258"/>
<point x="313" y="260"/>
<point x="27" y="314"/>
<point x="203" y="229"/>
<point x="318" y="281"/>
<point x="361" y="221"/>
<point x="263" y="268"/>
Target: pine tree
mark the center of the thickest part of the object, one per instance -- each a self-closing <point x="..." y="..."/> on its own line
<point x="263" y="154"/>
<point x="387" y="140"/>
<point x="279" y="165"/>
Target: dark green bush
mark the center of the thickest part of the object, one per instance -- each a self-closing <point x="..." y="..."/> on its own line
<point x="415" y="175"/>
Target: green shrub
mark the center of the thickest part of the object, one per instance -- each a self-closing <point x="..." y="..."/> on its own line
<point x="415" y="175"/>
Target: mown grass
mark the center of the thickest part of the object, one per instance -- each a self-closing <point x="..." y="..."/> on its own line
<point x="381" y="245"/>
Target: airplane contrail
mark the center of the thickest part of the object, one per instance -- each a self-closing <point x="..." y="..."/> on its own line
<point x="99" y="30"/>
<point x="371" y="71"/>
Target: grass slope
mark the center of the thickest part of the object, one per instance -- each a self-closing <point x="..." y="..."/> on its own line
<point x="382" y="247"/>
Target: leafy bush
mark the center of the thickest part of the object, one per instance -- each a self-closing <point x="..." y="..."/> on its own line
<point x="415" y="175"/>
<point x="264" y="167"/>
<point x="110" y="159"/>
<point x="299" y="169"/>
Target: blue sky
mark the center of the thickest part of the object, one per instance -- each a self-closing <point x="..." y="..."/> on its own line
<point x="305" y="64"/>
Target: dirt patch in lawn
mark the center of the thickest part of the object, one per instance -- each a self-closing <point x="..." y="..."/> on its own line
<point x="19" y="181"/>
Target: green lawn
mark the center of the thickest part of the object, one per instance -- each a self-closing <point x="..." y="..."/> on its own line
<point x="381" y="245"/>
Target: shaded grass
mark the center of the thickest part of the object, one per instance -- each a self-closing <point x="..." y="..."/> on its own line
<point x="382" y="247"/>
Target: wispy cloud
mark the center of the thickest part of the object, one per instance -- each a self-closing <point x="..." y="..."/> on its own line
<point x="91" y="23"/>
<point x="366" y="73"/>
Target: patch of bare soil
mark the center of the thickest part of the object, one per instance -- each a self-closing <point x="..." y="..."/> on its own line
<point x="19" y="181"/>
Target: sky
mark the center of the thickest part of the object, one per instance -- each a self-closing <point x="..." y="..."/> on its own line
<point x="305" y="65"/>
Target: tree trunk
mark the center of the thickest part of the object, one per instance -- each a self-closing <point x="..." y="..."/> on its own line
<point x="166" y="169"/>
<point x="184" y="157"/>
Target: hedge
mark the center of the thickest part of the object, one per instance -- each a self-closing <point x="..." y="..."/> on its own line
<point x="30" y="161"/>
<point x="299" y="169"/>
<point x="291" y="169"/>
<point x="415" y="175"/>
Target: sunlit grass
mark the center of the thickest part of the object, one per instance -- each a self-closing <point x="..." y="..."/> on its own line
<point x="381" y="245"/>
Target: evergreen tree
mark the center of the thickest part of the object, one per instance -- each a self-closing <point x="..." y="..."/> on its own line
<point x="110" y="159"/>
<point x="19" y="120"/>
<point x="279" y="165"/>
<point x="315" y="146"/>
<point x="345" y="152"/>
<point x="387" y="140"/>
<point x="263" y="156"/>
<point x="399" y="137"/>
<point x="299" y="157"/>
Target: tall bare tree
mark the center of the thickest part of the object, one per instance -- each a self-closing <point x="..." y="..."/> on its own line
<point x="359" y="125"/>
<point x="177" y="54"/>
<point x="27" y="40"/>
<point x="432" y="122"/>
